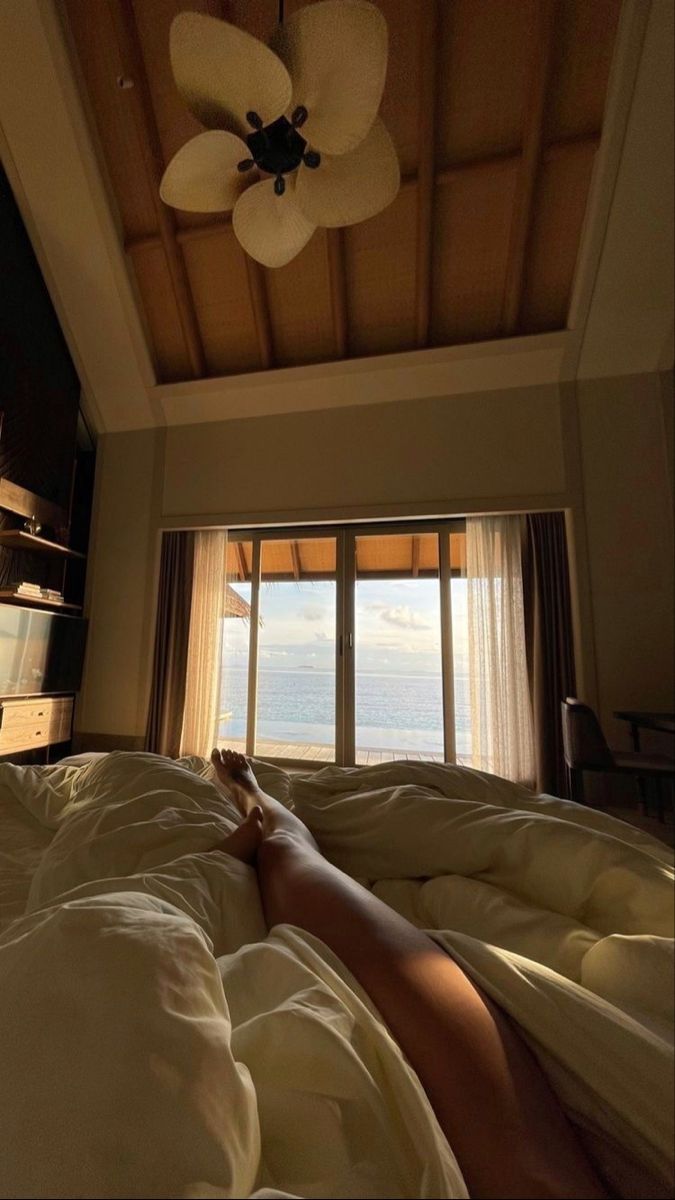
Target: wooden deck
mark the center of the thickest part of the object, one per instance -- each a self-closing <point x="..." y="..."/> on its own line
<point x="266" y="748"/>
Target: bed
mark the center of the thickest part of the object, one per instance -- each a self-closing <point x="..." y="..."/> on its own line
<point x="158" y="1041"/>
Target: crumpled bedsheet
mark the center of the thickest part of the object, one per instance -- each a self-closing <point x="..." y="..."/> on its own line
<point x="159" y="1041"/>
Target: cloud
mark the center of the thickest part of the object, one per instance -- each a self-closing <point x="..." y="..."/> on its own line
<point x="403" y="616"/>
<point x="322" y="636"/>
<point x="313" y="612"/>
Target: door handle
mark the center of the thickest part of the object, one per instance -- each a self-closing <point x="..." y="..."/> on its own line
<point x="349" y="643"/>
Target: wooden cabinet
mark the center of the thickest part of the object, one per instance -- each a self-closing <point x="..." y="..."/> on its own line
<point x="35" y="722"/>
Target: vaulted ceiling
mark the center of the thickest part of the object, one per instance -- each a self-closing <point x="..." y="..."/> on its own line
<point x="496" y="110"/>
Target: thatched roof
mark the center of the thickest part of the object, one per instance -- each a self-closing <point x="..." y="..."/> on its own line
<point x="235" y="605"/>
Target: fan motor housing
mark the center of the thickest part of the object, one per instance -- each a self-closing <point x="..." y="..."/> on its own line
<point x="278" y="148"/>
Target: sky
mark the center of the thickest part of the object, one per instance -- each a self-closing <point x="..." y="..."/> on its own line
<point x="397" y="626"/>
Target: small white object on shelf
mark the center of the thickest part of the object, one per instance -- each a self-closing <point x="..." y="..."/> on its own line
<point x="29" y="589"/>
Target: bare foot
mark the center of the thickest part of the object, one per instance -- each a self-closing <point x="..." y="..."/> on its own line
<point x="235" y="774"/>
<point x="243" y="843"/>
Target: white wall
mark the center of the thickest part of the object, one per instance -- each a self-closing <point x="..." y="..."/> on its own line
<point x="432" y="453"/>
<point x="600" y="454"/>
<point x="120" y="586"/>
<point x="629" y="521"/>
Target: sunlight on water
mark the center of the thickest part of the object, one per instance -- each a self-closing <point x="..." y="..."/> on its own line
<point x="395" y="712"/>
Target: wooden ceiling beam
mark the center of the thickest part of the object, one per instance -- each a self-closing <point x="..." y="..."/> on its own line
<point x="295" y="555"/>
<point x="241" y="561"/>
<point x="443" y="176"/>
<point x="533" y="136"/>
<point x="338" y="290"/>
<point x="257" y="289"/>
<point x="140" y="98"/>
<point x="415" y="564"/>
<point x="429" y="40"/>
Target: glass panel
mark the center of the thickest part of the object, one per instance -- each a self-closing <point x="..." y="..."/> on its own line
<point x="399" y="699"/>
<point x="460" y="649"/>
<point x="234" y="657"/>
<point x="296" y="660"/>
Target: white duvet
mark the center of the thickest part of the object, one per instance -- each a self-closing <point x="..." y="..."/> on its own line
<point x="158" y="1041"/>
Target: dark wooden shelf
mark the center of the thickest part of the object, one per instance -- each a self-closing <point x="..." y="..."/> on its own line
<point x="7" y="597"/>
<point x="17" y="539"/>
<point x="19" y="500"/>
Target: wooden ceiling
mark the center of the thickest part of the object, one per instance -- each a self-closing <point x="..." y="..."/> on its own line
<point x="383" y="556"/>
<point x="496" y="110"/>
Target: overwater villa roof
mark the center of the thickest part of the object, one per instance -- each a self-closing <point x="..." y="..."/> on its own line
<point x="391" y="556"/>
<point x="235" y="605"/>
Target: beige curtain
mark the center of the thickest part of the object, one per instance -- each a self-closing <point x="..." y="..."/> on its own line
<point x="501" y="711"/>
<point x="202" y="684"/>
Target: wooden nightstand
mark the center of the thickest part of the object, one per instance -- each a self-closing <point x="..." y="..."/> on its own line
<point x="29" y="724"/>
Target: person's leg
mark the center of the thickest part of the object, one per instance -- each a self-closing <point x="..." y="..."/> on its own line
<point x="491" y="1099"/>
<point x="244" y="842"/>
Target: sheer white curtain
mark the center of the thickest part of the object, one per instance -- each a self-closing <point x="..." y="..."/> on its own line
<point x="501" y="710"/>
<point x="202" y="687"/>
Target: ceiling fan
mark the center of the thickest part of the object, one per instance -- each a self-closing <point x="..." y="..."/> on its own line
<point x="292" y="140"/>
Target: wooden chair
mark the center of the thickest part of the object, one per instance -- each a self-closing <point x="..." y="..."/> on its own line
<point x="586" y="750"/>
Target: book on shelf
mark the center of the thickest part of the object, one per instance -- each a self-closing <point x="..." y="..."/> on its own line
<point x="27" y="589"/>
<point x="31" y="591"/>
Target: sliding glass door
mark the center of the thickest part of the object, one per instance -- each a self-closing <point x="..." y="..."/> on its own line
<point x="397" y="648"/>
<point x="295" y="711"/>
<point x="346" y="645"/>
<point x="461" y="683"/>
<point x="235" y="653"/>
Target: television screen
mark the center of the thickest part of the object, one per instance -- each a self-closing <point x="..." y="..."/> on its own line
<point x="39" y="651"/>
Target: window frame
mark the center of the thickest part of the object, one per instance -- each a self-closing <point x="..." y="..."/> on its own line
<point x="345" y="535"/>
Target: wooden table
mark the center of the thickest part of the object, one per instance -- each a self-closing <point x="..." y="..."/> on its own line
<point x="663" y="722"/>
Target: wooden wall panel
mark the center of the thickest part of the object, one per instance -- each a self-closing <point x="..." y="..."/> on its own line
<point x="39" y="387"/>
<point x="216" y="268"/>
<point x="583" y="47"/>
<point x="482" y="75"/>
<point x="39" y="398"/>
<point x="380" y="257"/>
<point x="300" y="307"/>
<point x="560" y="207"/>
<point x="472" y="223"/>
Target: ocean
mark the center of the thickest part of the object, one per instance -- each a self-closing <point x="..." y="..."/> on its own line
<point x="393" y="712"/>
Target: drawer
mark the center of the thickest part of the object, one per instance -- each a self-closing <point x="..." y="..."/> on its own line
<point x="18" y="713"/>
<point x="27" y="724"/>
<point x="28" y="738"/>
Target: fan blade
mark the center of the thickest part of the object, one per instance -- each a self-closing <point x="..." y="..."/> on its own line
<point x="223" y="73"/>
<point x="270" y="228"/>
<point x="203" y="175"/>
<point x="336" y="54"/>
<point x="348" y="188"/>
